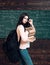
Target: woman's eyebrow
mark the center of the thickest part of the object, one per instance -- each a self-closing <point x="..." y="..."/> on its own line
<point x="26" y="18"/>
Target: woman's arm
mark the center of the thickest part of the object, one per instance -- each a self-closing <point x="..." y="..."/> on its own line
<point x="33" y="28"/>
<point x="24" y="35"/>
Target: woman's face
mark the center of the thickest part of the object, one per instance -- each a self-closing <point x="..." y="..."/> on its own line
<point x="25" y="19"/>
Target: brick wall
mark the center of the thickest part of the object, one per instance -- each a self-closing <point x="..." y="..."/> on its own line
<point x="41" y="21"/>
<point x="39" y="52"/>
<point x="25" y="4"/>
<point x="40" y="49"/>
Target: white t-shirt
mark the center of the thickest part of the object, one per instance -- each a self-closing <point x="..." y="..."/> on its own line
<point x="24" y="37"/>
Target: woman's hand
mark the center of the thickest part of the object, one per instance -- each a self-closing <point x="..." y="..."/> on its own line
<point x="31" y="21"/>
<point x="32" y="38"/>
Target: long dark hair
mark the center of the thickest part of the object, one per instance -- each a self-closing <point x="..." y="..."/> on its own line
<point x="21" y="18"/>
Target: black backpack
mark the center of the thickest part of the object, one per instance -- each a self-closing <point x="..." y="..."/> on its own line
<point x="11" y="47"/>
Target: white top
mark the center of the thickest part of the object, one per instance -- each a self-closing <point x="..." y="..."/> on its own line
<point x="24" y="37"/>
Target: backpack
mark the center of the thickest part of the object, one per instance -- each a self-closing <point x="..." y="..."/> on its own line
<point x="11" y="47"/>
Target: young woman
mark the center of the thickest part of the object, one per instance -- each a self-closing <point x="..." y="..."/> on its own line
<point x="23" y="33"/>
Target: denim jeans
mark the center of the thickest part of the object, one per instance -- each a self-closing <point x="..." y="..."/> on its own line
<point x="25" y="57"/>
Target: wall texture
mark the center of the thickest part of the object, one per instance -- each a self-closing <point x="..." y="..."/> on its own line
<point x="39" y="11"/>
<point x="41" y="21"/>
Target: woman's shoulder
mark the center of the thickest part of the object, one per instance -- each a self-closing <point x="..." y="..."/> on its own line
<point x="20" y="27"/>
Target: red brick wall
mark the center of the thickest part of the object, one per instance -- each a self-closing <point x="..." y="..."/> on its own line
<point x="40" y="49"/>
<point x="39" y="52"/>
<point x="25" y="4"/>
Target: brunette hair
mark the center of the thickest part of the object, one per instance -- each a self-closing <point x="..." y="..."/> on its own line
<point x="21" y="18"/>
